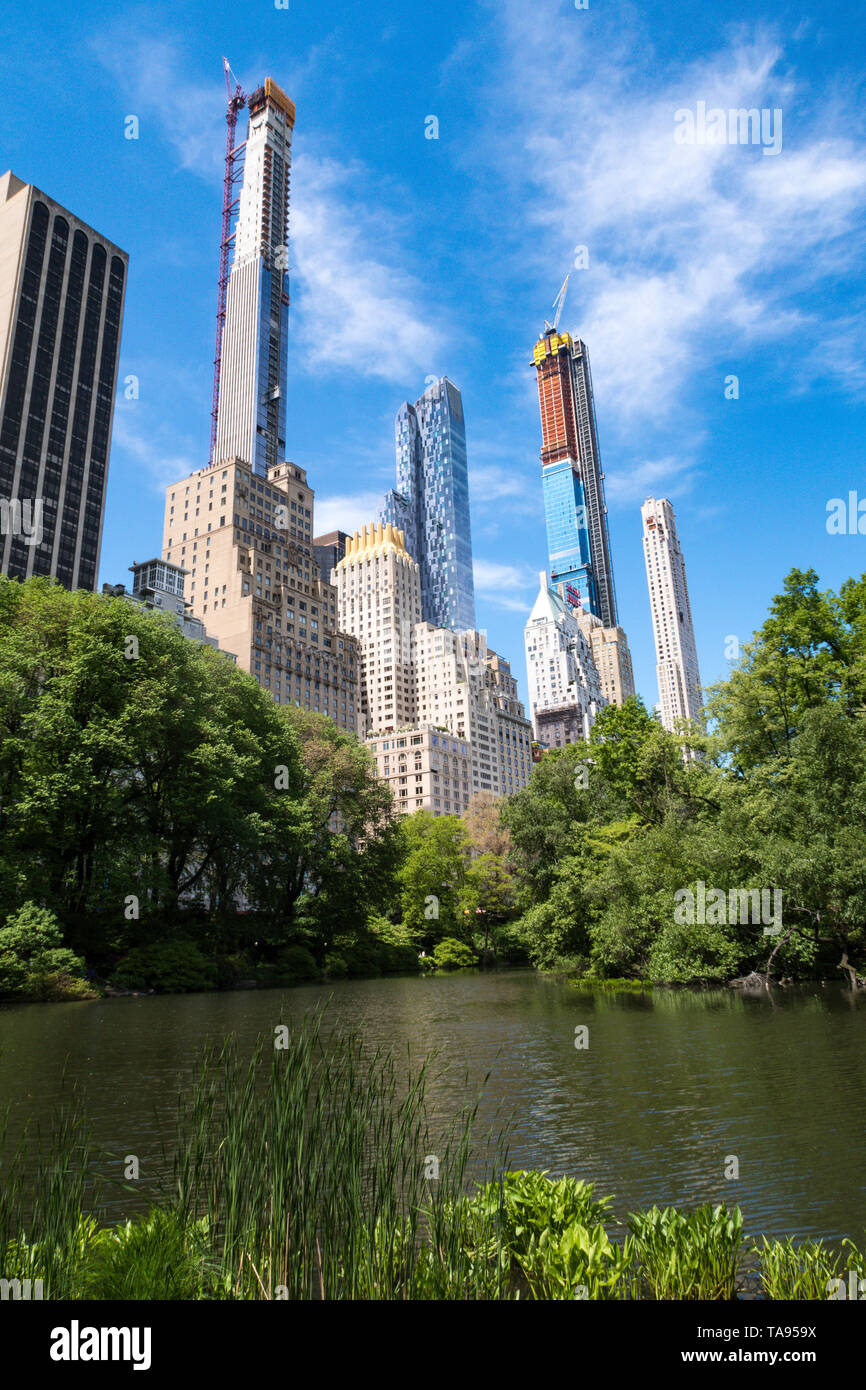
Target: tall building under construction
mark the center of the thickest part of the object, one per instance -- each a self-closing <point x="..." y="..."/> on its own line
<point x="251" y="408"/>
<point x="578" y="541"/>
<point x="577" y="532"/>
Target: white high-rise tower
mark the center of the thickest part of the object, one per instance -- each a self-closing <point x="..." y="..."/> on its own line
<point x="565" y="692"/>
<point x="676" y="655"/>
<point x="251" y="414"/>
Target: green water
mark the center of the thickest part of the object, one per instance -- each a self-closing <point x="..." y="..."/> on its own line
<point x="670" y="1085"/>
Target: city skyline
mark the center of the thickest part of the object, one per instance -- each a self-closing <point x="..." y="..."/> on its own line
<point x="695" y="394"/>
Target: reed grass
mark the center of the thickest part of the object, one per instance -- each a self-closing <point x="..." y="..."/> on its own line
<point x="309" y="1166"/>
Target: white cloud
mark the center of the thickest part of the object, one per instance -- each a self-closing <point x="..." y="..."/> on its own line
<point x="356" y="309"/>
<point x="505" y="586"/>
<point x="694" y="250"/>
<point x="150" y="445"/>
<point x="493" y="482"/>
<point x="664" y="477"/>
<point x="347" y="513"/>
<point x="151" y="74"/>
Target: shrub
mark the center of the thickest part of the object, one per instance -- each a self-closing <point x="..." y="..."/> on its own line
<point x="294" y="963"/>
<point x="363" y="959"/>
<point x="169" y="967"/>
<point x="33" y="958"/>
<point x="451" y="954"/>
<point x="802" y="1271"/>
<point x="60" y="985"/>
<point x="397" y="952"/>
<point x="335" y="967"/>
<point x="233" y="967"/>
<point x="398" y="960"/>
<point x="688" y="1255"/>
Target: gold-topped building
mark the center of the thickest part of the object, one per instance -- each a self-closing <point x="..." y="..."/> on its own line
<point x="379" y="601"/>
<point x="439" y="709"/>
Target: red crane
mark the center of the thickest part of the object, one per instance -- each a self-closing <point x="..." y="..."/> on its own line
<point x="237" y="99"/>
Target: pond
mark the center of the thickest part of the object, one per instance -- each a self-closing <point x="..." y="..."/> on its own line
<point x="670" y="1087"/>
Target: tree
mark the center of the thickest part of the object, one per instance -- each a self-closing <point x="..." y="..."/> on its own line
<point x="431" y="877"/>
<point x="809" y="821"/>
<point x="331" y="841"/>
<point x="485" y="830"/>
<point x="542" y="819"/>
<point x="810" y="652"/>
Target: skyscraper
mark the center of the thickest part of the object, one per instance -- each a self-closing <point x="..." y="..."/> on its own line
<point x="251" y="414"/>
<point x="379" y="602"/>
<point x="329" y="551"/>
<point x="577" y="532"/>
<point x="565" y="693"/>
<point x="611" y="656"/>
<point x="62" y="287"/>
<point x="431" y="503"/>
<point x="439" y="709"/>
<point x="676" y="655"/>
<point x="246" y="544"/>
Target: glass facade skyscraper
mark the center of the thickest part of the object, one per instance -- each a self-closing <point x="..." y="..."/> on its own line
<point x="61" y="306"/>
<point x="430" y="503"/>
<point x="567" y="531"/>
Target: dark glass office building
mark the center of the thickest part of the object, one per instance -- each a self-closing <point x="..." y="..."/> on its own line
<point x="61" y="305"/>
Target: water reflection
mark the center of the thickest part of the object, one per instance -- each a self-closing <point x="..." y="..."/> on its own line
<point x="672" y="1081"/>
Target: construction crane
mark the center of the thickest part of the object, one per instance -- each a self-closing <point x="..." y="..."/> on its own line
<point x="236" y="100"/>
<point x="557" y="304"/>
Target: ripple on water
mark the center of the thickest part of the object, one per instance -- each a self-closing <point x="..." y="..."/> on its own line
<point x="670" y="1085"/>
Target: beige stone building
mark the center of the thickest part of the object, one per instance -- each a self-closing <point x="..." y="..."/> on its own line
<point x="466" y="687"/>
<point x="434" y="702"/>
<point x="379" y="602"/>
<point x="427" y="769"/>
<point x="611" y="655"/>
<point x="246" y="544"/>
<point x="680" y="692"/>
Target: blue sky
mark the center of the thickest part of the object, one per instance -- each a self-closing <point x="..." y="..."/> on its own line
<point x="413" y="257"/>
